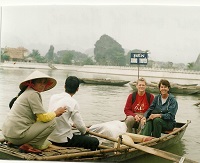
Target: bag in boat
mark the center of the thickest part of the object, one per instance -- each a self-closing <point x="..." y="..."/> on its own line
<point x="110" y="129"/>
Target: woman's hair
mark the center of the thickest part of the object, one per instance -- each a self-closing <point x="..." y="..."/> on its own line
<point x="164" y="82"/>
<point x="15" y="98"/>
<point x="71" y="84"/>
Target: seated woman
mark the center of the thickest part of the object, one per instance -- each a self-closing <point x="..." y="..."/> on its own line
<point x="161" y="114"/>
<point x="28" y="124"/>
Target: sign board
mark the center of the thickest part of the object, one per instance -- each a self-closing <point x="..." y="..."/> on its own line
<point x="139" y="58"/>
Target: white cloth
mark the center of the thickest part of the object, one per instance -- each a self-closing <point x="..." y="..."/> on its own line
<point x="110" y="129"/>
<point x="63" y="128"/>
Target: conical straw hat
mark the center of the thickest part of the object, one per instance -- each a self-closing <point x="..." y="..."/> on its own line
<point x="36" y="75"/>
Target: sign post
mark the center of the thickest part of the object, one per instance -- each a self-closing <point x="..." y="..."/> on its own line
<point x="139" y="59"/>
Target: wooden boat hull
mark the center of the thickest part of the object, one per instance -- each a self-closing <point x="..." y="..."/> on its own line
<point x="104" y="81"/>
<point x="176" y="89"/>
<point x="104" y="155"/>
<point x="158" y="143"/>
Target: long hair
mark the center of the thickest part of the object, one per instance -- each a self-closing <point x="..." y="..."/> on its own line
<point x="15" y="98"/>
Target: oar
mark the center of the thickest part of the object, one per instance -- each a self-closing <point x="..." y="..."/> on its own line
<point x="150" y="150"/>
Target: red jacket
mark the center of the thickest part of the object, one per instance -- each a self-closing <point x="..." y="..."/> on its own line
<point x="140" y="104"/>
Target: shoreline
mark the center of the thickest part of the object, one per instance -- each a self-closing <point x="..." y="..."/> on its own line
<point x="117" y="72"/>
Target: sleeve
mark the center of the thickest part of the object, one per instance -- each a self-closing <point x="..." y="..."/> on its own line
<point x="35" y="102"/>
<point x="152" y="106"/>
<point x="172" y="109"/>
<point x="128" y="107"/>
<point x="78" y="120"/>
<point x="46" y="117"/>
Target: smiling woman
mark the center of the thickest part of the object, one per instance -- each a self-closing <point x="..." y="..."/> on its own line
<point x="28" y="124"/>
<point x="164" y="119"/>
<point x="40" y="84"/>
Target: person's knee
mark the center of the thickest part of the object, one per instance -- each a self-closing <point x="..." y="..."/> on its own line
<point x="156" y="121"/>
<point x="130" y="119"/>
<point x="52" y="124"/>
<point x="94" y="143"/>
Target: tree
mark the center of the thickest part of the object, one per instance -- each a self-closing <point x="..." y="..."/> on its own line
<point x="64" y="57"/>
<point x="5" y="57"/>
<point x="109" y="52"/>
<point x="50" y="54"/>
<point x="190" y="65"/>
<point x="36" y="56"/>
<point x="197" y="63"/>
<point x="72" y="57"/>
<point x="169" y="65"/>
<point x="88" y="61"/>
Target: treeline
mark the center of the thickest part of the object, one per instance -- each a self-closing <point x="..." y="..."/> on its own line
<point x="107" y="51"/>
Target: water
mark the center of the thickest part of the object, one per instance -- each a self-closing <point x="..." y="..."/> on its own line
<point x="106" y="103"/>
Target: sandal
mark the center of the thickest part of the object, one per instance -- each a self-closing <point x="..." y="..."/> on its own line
<point x="26" y="148"/>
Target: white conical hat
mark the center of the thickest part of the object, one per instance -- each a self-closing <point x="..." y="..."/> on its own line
<point x="36" y="75"/>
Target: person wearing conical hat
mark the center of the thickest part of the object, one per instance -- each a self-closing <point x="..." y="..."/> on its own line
<point x="28" y="124"/>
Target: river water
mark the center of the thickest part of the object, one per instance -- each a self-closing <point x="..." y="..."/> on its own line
<point x="101" y="103"/>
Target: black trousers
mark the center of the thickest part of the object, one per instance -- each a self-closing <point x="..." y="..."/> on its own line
<point x="83" y="141"/>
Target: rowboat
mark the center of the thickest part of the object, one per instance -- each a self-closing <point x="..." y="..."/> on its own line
<point x="175" y="88"/>
<point x="104" y="81"/>
<point x="104" y="154"/>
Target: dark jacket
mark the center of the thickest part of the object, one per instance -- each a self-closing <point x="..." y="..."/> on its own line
<point x="167" y="110"/>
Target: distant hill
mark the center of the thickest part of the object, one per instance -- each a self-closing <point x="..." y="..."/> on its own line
<point x="197" y="62"/>
<point x="90" y="52"/>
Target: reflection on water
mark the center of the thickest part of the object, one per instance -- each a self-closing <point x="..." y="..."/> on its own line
<point x="100" y="103"/>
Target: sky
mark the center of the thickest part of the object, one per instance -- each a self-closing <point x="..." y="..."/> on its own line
<point x="170" y="31"/>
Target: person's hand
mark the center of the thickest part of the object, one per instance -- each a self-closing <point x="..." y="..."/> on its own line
<point x="137" y="118"/>
<point x="60" y="111"/>
<point x="143" y="121"/>
<point x="152" y="116"/>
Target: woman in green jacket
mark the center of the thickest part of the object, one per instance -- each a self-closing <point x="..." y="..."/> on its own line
<point x="161" y="114"/>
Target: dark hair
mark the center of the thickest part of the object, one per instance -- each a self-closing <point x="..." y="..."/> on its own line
<point x="164" y="82"/>
<point x="71" y="84"/>
<point x="15" y="98"/>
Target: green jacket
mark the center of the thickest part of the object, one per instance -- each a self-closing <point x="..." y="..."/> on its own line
<point x="167" y="110"/>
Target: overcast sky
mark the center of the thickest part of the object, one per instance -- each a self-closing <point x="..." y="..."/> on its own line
<point x="171" y="32"/>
